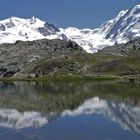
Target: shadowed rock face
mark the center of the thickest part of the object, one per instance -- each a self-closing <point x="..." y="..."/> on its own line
<point x="48" y="29"/>
<point x="2" y="27"/>
<point x="132" y="47"/>
<point x="22" y="57"/>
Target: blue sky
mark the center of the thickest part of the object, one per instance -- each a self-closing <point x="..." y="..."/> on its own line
<point x="64" y="13"/>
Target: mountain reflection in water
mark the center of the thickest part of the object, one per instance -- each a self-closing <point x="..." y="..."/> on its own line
<point x="125" y="115"/>
<point x="26" y="105"/>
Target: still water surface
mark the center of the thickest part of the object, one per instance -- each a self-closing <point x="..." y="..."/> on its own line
<point x="69" y="111"/>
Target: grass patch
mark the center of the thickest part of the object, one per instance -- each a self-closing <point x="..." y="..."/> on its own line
<point x="65" y="78"/>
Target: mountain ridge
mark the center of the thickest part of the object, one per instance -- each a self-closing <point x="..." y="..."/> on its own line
<point x="121" y="29"/>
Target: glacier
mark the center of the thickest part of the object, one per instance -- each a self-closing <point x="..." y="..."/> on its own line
<point x="121" y="29"/>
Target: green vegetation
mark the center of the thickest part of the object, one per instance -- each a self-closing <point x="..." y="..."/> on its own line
<point x="66" y="78"/>
<point x="133" y="62"/>
<point x="89" y="64"/>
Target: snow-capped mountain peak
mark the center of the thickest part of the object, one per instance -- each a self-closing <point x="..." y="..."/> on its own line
<point x="126" y="26"/>
<point x="15" y="28"/>
<point x="121" y="29"/>
<point x="15" y="21"/>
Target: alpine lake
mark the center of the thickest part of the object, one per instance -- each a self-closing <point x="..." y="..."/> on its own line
<point x="99" y="110"/>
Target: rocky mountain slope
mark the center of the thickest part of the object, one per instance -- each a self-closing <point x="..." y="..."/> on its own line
<point x="23" y="57"/>
<point x="121" y="29"/>
<point x="130" y="48"/>
<point x="57" y="57"/>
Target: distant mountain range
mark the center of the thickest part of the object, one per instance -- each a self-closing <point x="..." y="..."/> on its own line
<point x="121" y="29"/>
